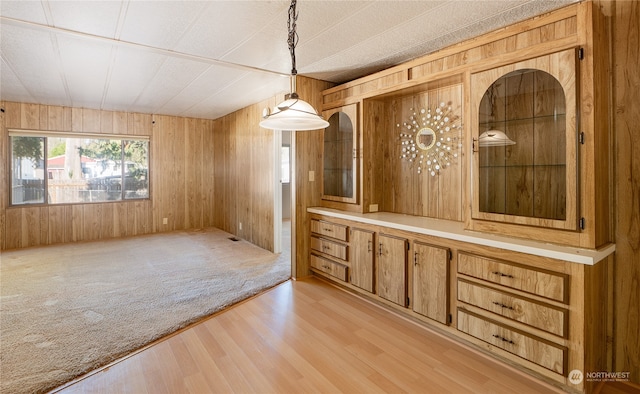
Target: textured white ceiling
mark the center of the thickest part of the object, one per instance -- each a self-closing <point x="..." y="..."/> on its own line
<point x="209" y="58"/>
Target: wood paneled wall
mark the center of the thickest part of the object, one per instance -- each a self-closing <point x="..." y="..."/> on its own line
<point x="626" y="121"/>
<point x="244" y="173"/>
<point x="181" y="169"/>
<point x="307" y="156"/>
<point x="419" y="194"/>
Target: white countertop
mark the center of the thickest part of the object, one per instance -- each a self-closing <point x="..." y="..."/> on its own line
<point x="455" y="231"/>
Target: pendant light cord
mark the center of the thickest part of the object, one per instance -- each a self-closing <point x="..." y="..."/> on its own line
<point x="292" y="39"/>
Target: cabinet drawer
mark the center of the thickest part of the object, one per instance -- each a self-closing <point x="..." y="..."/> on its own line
<point x="546" y="284"/>
<point x="538" y="315"/>
<point x="537" y="350"/>
<point x="329" y="267"/>
<point x="331" y="248"/>
<point x="333" y="230"/>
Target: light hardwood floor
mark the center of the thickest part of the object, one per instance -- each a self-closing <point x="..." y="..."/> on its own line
<point x="306" y="336"/>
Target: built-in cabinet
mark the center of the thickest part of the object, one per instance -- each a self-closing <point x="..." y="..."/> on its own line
<point x="362" y="259"/>
<point x="340" y="155"/>
<point x="491" y="289"/>
<point x="525" y="142"/>
<point x="497" y="152"/>
<point x="431" y="281"/>
<point x="392" y="268"/>
<point x="544" y="309"/>
<point x="329" y="250"/>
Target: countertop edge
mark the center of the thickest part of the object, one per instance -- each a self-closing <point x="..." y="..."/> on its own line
<point x="455" y="231"/>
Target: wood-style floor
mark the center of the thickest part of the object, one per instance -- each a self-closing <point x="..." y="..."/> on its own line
<point x="307" y="336"/>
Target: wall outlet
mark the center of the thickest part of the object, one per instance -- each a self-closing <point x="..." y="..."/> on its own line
<point x="240" y="226"/>
<point x="312" y="176"/>
<point x="373" y="208"/>
<point x="165" y="221"/>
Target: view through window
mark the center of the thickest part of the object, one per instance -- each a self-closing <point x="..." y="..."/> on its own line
<point x="62" y="169"/>
<point x="284" y="163"/>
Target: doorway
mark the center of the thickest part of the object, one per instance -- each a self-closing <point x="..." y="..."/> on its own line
<point x="282" y="188"/>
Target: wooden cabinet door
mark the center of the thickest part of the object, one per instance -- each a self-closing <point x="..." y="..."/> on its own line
<point x="361" y="258"/>
<point x="392" y="269"/>
<point x="340" y="155"/>
<point x="431" y="281"/>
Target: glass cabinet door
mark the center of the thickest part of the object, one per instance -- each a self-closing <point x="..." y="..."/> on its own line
<point x="525" y="142"/>
<point x="340" y="155"/>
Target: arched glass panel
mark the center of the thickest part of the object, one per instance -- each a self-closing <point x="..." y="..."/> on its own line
<point x="522" y="146"/>
<point x="339" y="156"/>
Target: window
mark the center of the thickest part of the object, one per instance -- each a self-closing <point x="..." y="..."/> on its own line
<point x="50" y="168"/>
<point x="285" y="170"/>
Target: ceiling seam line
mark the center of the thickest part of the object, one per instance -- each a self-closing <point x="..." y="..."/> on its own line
<point x="168" y="52"/>
<point x="56" y="50"/>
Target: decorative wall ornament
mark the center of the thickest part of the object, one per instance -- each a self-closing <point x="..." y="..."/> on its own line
<point x="430" y="139"/>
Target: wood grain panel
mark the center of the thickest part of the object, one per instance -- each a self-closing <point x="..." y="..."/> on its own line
<point x="208" y="166"/>
<point x="331" y="248"/>
<point x="330" y="267"/>
<point x="542" y="316"/>
<point x="552" y="285"/>
<point x="403" y="189"/>
<point x="431" y="281"/>
<point x="193" y="174"/>
<point x="92" y="217"/>
<point x="4" y="175"/>
<point x="219" y="173"/>
<point x="305" y="154"/>
<point x="537" y="350"/>
<point x="106" y="221"/>
<point x="626" y="40"/>
<point x="329" y="229"/>
<point x="31" y="226"/>
<point x="372" y="148"/>
<point x="361" y="259"/>
<point x="391" y="268"/>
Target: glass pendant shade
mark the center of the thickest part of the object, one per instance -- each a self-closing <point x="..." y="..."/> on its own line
<point x="294" y="114"/>
<point x="494" y="138"/>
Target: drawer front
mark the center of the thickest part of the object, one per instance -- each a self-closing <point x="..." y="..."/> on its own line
<point x="537" y="350"/>
<point x="329" y="229"/>
<point x="538" y="315"/>
<point x="543" y="283"/>
<point x="331" y="248"/>
<point x="329" y="267"/>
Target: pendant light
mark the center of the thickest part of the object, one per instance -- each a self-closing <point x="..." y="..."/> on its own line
<point x="293" y="113"/>
<point x="494" y="138"/>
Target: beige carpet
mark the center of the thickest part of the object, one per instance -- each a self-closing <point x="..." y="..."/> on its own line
<point x="66" y="310"/>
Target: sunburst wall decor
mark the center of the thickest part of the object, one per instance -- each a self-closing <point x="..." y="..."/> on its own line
<point x="430" y="139"/>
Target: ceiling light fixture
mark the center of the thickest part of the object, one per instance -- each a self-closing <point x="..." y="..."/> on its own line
<point x="293" y="113"/>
